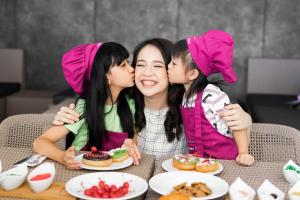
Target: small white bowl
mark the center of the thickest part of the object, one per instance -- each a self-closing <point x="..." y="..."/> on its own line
<point x="291" y="175"/>
<point x="41" y="185"/>
<point x="295" y="188"/>
<point x="239" y="190"/>
<point x="268" y="191"/>
<point x="13" y="178"/>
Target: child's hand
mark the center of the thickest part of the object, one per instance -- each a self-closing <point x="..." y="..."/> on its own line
<point x="132" y="150"/>
<point x="245" y="159"/>
<point x="69" y="161"/>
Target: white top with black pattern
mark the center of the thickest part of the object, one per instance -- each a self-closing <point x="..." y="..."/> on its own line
<point x="213" y="102"/>
<point x="152" y="139"/>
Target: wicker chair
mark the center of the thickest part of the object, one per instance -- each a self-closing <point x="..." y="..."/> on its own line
<point x="274" y="143"/>
<point x="269" y="142"/>
<point x="21" y="130"/>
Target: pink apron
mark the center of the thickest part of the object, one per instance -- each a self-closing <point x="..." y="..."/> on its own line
<point x="202" y="138"/>
<point x="114" y="140"/>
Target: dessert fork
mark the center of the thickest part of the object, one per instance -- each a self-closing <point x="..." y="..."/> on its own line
<point x="32" y="161"/>
<point x="35" y="160"/>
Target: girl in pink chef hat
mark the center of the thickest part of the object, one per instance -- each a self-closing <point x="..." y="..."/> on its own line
<point x="97" y="73"/>
<point x="193" y="60"/>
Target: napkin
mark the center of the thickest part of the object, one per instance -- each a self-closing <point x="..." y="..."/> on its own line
<point x="239" y="190"/>
<point x="268" y="191"/>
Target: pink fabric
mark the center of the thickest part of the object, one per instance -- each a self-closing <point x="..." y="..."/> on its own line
<point x="213" y="53"/>
<point x="202" y="138"/>
<point x="114" y="140"/>
<point x="77" y="65"/>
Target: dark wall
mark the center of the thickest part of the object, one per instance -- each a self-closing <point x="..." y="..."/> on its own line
<point x="45" y="29"/>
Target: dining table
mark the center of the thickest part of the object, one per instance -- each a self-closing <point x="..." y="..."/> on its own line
<point x="253" y="175"/>
<point x="10" y="155"/>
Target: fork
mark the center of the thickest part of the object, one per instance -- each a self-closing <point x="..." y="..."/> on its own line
<point x="35" y="160"/>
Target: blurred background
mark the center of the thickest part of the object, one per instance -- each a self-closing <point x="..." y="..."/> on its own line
<point x="45" y="29"/>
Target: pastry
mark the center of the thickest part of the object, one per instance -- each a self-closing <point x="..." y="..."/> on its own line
<point x="207" y="165"/>
<point x="119" y="154"/>
<point x="97" y="158"/>
<point x="185" y="161"/>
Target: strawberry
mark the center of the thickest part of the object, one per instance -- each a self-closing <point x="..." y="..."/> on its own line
<point x="94" y="149"/>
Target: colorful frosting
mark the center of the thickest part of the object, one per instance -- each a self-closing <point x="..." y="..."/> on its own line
<point x="186" y="158"/>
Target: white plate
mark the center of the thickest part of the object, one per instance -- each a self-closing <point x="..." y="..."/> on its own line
<point x="114" y="166"/>
<point x="168" y="166"/>
<point x="137" y="185"/>
<point x="163" y="183"/>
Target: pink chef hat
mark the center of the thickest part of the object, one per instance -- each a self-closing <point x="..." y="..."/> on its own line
<point x="213" y="53"/>
<point x="77" y="65"/>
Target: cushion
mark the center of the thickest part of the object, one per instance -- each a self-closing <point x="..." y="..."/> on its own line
<point x="7" y="89"/>
<point x="274" y="109"/>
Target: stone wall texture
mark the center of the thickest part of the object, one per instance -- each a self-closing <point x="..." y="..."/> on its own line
<point x="45" y="29"/>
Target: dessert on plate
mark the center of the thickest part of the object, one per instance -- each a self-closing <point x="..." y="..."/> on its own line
<point x="195" y="189"/>
<point x="207" y="165"/>
<point x="118" y="154"/>
<point x="97" y="158"/>
<point x="192" y="162"/>
<point x="185" y="161"/>
<point x="174" y="196"/>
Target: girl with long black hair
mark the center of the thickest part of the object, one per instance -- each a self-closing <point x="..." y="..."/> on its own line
<point x="97" y="73"/>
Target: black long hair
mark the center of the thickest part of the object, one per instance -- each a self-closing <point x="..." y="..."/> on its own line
<point x="180" y="50"/>
<point x="173" y="119"/>
<point x="97" y="92"/>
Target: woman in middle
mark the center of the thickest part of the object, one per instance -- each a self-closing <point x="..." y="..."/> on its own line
<point x="157" y="116"/>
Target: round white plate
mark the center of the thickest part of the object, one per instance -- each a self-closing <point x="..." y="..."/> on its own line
<point x="163" y="183"/>
<point x="137" y="185"/>
<point x="114" y="166"/>
<point x="168" y="166"/>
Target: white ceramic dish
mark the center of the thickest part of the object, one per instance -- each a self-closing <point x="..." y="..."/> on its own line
<point x="268" y="191"/>
<point x="13" y="178"/>
<point x="291" y="175"/>
<point x="163" y="183"/>
<point x="168" y="166"/>
<point x="41" y="185"/>
<point x="76" y="186"/>
<point x="239" y="190"/>
<point x="294" y="189"/>
<point x="114" y="166"/>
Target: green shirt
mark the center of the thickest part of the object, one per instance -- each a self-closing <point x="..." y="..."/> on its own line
<point x="111" y="120"/>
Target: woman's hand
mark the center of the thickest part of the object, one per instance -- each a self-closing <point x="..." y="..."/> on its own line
<point x="66" y="115"/>
<point x="69" y="161"/>
<point x="235" y="117"/>
<point x="132" y="150"/>
<point x="245" y="159"/>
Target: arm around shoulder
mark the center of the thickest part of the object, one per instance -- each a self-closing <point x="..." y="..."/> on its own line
<point x="236" y="118"/>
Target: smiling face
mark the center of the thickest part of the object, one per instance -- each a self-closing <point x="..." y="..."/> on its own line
<point x="150" y="72"/>
<point x="121" y="76"/>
